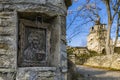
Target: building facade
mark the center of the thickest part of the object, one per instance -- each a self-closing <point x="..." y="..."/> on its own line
<point x="96" y="38"/>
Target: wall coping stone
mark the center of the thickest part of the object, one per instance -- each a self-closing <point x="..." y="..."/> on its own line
<point x="7" y="70"/>
<point x="38" y="68"/>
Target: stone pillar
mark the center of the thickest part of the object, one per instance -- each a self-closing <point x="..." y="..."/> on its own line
<point x="39" y="19"/>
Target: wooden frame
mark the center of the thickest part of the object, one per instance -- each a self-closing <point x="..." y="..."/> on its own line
<point x="23" y="24"/>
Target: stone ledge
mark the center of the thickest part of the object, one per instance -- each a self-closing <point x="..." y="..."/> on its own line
<point x="38" y="68"/>
<point x="7" y="70"/>
<point x="58" y="3"/>
<point x="48" y="9"/>
<point x="21" y="1"/>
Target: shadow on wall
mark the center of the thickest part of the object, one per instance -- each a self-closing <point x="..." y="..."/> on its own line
<point x="72" y="71"/>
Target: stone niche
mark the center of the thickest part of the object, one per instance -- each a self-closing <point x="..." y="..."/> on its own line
<point x="38" y="45"/>
<point x="32" y="39"/>
<point x="34" y="35"/>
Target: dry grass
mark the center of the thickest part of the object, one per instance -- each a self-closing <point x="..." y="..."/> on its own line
<point x="104" y="68"/>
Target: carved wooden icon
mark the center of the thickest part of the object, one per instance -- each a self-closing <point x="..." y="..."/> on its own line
<point x="32" y="44"/>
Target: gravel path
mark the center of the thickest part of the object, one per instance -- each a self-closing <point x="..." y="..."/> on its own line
<point x="98" y="74"/>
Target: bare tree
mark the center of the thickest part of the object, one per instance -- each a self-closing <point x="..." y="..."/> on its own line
<point x="110" y="21"/>
<point x="92" y="14"/>
<point x="87" y="12"/>
<point x="117" y="30"/>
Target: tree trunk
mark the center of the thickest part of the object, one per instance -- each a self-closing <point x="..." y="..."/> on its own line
<point x="108" y="46"/>
<point x="117" y="31"/>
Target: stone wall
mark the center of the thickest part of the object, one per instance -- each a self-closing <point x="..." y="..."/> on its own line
<point x="78" y="50"/>
<point x="106" y="61"/>
<point x="9" y="29"/>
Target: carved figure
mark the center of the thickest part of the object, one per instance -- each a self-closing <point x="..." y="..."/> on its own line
<point x="35" y="50"/>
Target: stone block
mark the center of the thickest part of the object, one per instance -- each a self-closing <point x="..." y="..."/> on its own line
<point x="29" y="1"/>
<point x="7" y="40"/>
<point x="55" y="2"/>
<point x="7" y="31"/>
<point x="1" y="7"/>
<point x="7" y="75"/>
<point x="63" y="46"/>
<point x="7" y="22"/>
<point x="4" y="46"/>
<point x="6" y="61"/>
<point x="1" y="29"/>
<point x="35" y="73"/>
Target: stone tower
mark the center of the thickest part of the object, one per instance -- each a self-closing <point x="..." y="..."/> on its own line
<point x="32" y="39"/>
<point x="96" y="38"/>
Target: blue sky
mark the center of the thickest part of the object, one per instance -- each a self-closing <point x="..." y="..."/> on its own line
<point x="83" y="29"/>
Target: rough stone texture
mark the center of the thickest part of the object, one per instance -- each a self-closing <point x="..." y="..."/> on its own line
<point x="7" y="40"/>
<point x="79" y="50"/>
<point x="10" y="13"/>
<point x="6" y="74"/>
<point x="36" y="73"/>
<point x="118" y="43"/>
<point x="107" y="61"/>
<point x="72" y="58"/>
